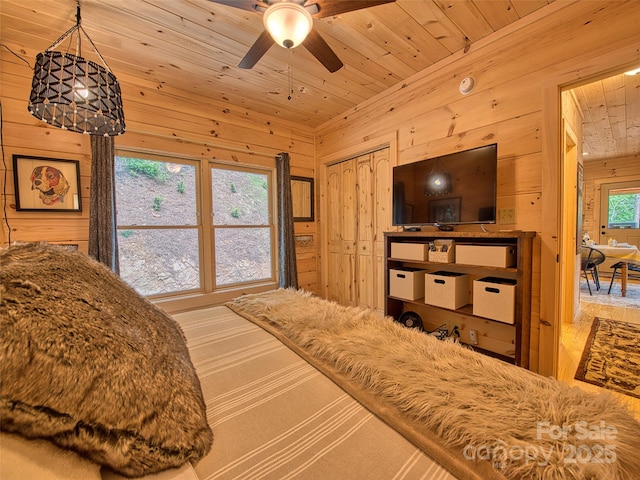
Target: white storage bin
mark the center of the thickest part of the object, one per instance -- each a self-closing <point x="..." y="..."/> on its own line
<point x="486" y="255"/>
<point x="406" y="283"/>
<point x="494" y="298"/>
<point x="409" y="251"/>
<point x="446" y="289"/>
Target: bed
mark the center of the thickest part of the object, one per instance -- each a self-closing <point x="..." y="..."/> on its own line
<point x="287" y="385"/>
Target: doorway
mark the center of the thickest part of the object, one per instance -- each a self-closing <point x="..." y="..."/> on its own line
<point x="611" y="185"/>
<point x="602" y="113"/>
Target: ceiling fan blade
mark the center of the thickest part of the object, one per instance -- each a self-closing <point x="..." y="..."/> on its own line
<point x="328" y="8"/>
<point x="257" y="50"/>
<point x="322" y="51"/>
<point x="312" y="8"/>
<point x="243" y="4"/>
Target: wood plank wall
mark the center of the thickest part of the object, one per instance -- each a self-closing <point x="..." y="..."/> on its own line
<point x="518" y="71"/>
<point x="159" y="120"/>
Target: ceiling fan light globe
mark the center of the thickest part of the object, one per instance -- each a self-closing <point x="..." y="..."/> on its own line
<point x="287" y="23"/>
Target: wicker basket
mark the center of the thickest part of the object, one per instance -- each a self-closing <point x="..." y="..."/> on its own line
<point x="446" y="256"/>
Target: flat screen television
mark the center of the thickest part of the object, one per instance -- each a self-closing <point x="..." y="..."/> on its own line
<point x="457" y="188"/>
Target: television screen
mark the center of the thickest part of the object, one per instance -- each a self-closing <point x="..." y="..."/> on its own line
<point x="450" y="189"/>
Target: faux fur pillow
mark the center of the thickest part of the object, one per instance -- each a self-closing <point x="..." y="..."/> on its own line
<point x="88" y="364"/>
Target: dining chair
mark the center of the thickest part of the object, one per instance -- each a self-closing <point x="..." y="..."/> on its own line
<point x="591" y="258"/>
<point x="632" y="267"/>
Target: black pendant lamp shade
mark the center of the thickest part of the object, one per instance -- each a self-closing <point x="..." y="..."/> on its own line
<point x="75" y="94"/>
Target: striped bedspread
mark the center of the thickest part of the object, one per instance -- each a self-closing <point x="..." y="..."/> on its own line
<point x="274" y="416"/>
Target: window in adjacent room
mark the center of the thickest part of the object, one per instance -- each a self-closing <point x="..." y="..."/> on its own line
<point x="620" y="212"/>
<point x="624" y="208"/>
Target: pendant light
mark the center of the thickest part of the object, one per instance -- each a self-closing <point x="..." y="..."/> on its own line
<point x="75" y="94"/>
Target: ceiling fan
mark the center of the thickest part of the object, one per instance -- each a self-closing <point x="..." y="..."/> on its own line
<point x="290" y="23"/>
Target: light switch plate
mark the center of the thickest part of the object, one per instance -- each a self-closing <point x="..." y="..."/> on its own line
<point x="507" y="216"/>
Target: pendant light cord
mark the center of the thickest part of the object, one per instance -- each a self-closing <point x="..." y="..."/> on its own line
<point x="78" y="26"/>
<point x="290" y="74"/>
<point x="5" y="180"/>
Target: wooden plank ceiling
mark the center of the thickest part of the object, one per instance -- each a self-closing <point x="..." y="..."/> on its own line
<point x="611" y="109"/>
<point x="196" y="45"/>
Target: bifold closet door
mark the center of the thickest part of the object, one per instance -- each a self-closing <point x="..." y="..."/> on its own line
<point x="358" y="214"/>
<point x="341" y="232"/>
<point x="382" y="220"/>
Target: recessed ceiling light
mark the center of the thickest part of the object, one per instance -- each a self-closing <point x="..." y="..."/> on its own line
<point x="633" y="72"/>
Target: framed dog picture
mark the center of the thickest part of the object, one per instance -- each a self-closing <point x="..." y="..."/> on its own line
<point x="47" y="184"/>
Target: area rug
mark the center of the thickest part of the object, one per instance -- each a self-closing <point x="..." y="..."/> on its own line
<point x="611" y="357"/>
<point x="615" y="298"/>
<point x="486" y="412"/>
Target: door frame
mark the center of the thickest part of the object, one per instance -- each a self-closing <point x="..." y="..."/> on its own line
<point x="569" y="277"/>
<point x="552" y="300"/>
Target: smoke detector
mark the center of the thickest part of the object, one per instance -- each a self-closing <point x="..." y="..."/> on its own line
<point x="467" y="84"/>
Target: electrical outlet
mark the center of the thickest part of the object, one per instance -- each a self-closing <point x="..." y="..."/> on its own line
<point x="473" y="337"/>
<point x="507" y="216"/>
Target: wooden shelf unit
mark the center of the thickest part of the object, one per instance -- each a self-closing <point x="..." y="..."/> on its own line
<point x="509" y="342"/>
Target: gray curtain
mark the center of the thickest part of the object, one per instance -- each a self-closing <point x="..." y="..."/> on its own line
<point x="286" y="237"/>
<point x="103" y="243"/>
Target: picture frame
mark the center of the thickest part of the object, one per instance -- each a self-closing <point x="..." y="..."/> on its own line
<point x="46" y="184"/>
<point x="302" y="197"/>
<point x="445" y="210"/>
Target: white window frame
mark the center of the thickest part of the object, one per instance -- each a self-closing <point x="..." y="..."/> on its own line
<point x="208" y="293"/>
<point x="271" y="225"/>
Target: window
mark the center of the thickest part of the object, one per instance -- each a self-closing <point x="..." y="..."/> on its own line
<point x="242" y="225"/>
<point x="157" y="224"/>
<point x="162" y="235"/>
<point x="624" y="208"/>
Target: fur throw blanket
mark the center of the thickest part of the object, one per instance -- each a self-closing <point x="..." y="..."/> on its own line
<point x="91" y="366"/>
<point x="486" y="412"/>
